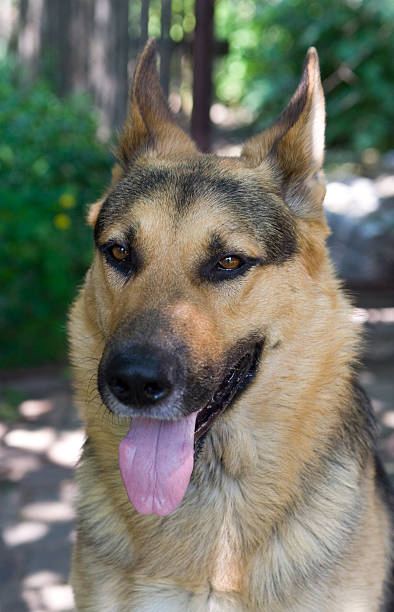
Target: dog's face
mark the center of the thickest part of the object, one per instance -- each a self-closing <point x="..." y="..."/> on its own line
<point x="199" y="262"/>
<point x="183" y="249"/>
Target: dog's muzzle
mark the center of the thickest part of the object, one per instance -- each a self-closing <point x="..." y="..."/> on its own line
<point x="138" y="380"/>
<point x="169" y="415"/>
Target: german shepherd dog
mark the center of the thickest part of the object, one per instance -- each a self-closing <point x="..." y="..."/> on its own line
<point x="229" y="461"/>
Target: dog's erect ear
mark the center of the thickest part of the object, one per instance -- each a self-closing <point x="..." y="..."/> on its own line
<point x="150" y="124"/>
<point x="294" y="144"/>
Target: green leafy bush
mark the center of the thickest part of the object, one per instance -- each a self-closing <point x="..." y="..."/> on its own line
<point x="355" y="41"/>
<point x="51" y="166"/>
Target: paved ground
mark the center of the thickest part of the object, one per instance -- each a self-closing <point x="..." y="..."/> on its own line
<point x="37" y="454"/>
<point x="39" y="449"/>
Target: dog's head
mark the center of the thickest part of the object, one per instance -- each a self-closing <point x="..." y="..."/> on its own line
<point x="199" y="262"/>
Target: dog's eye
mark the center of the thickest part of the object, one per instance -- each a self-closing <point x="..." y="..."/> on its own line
<point x="230" y="262"/>
<point x="119" y="252"/>
<point x="120" y="257"/>
<point x="227" y="267"/>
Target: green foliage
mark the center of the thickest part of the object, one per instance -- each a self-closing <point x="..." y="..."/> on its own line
<point x="10" y="399"/>
<point x="355" y="41"/>
<point x="51" y="166"/>
<point x="183" y="18"/>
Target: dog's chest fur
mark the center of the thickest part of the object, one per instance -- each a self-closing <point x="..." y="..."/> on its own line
<point x="229" y="565"/>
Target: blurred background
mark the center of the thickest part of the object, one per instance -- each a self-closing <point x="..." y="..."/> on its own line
<point x="228" y="68"/>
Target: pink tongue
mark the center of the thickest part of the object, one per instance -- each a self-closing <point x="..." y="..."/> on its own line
<point x="156" y="462"/>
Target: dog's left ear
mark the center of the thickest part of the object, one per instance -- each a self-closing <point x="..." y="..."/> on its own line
<point x="150" y="124"/>
<point x="294" y="145"/>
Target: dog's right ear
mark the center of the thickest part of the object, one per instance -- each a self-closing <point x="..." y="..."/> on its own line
<point x="149" y="123"/>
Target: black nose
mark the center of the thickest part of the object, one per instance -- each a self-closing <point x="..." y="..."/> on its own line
<point x="140" y="377"/>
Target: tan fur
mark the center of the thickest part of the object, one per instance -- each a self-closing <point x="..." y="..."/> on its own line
<point x="196" y="327"/>
<point x="252" y="533"/>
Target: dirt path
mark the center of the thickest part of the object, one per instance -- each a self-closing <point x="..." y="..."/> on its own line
<point x="37" y="454"/>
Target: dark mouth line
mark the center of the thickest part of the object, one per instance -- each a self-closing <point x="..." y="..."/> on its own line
<point x="233" y="384"/>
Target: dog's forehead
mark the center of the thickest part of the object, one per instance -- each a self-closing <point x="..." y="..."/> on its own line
<point x="205" y="190"/>
<point x="216" y="179"/>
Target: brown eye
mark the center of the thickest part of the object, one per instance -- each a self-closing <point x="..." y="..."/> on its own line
<point x="119" y="252"/>
<point x="227" y="268"/>
<point x="123" y="259"/>
<point x="231" y="262"/>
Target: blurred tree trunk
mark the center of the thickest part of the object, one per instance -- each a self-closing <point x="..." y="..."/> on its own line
<point x="144" y="22"/>
<point x="165" y="46"/>
<point x="202" y="73"/>
<point x="79" y="45"/>
<point x="109" y="55"/>
<point x="29" y="33"/>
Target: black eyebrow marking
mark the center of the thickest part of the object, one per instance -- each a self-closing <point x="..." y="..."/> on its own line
<point x="188" y="182"/>
<point x="215" y="244"/>
<point x="260" y="213"/>
<point x="128" y="235"/>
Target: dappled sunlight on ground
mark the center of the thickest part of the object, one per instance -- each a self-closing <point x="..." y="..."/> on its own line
<point x="373" y="315"/>
<point x="37" y="452"/>
<point x="44" y="591"/>
<point x="37" y="441"/>
<point x="24" y="532"/>
<point x="66" y="448"/>
<point x="388" y="418"/>
<point x="33" y="409"/>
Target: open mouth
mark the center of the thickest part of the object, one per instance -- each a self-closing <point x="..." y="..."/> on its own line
<point x="234" y="383"/>
<point x="157" y="455"/>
